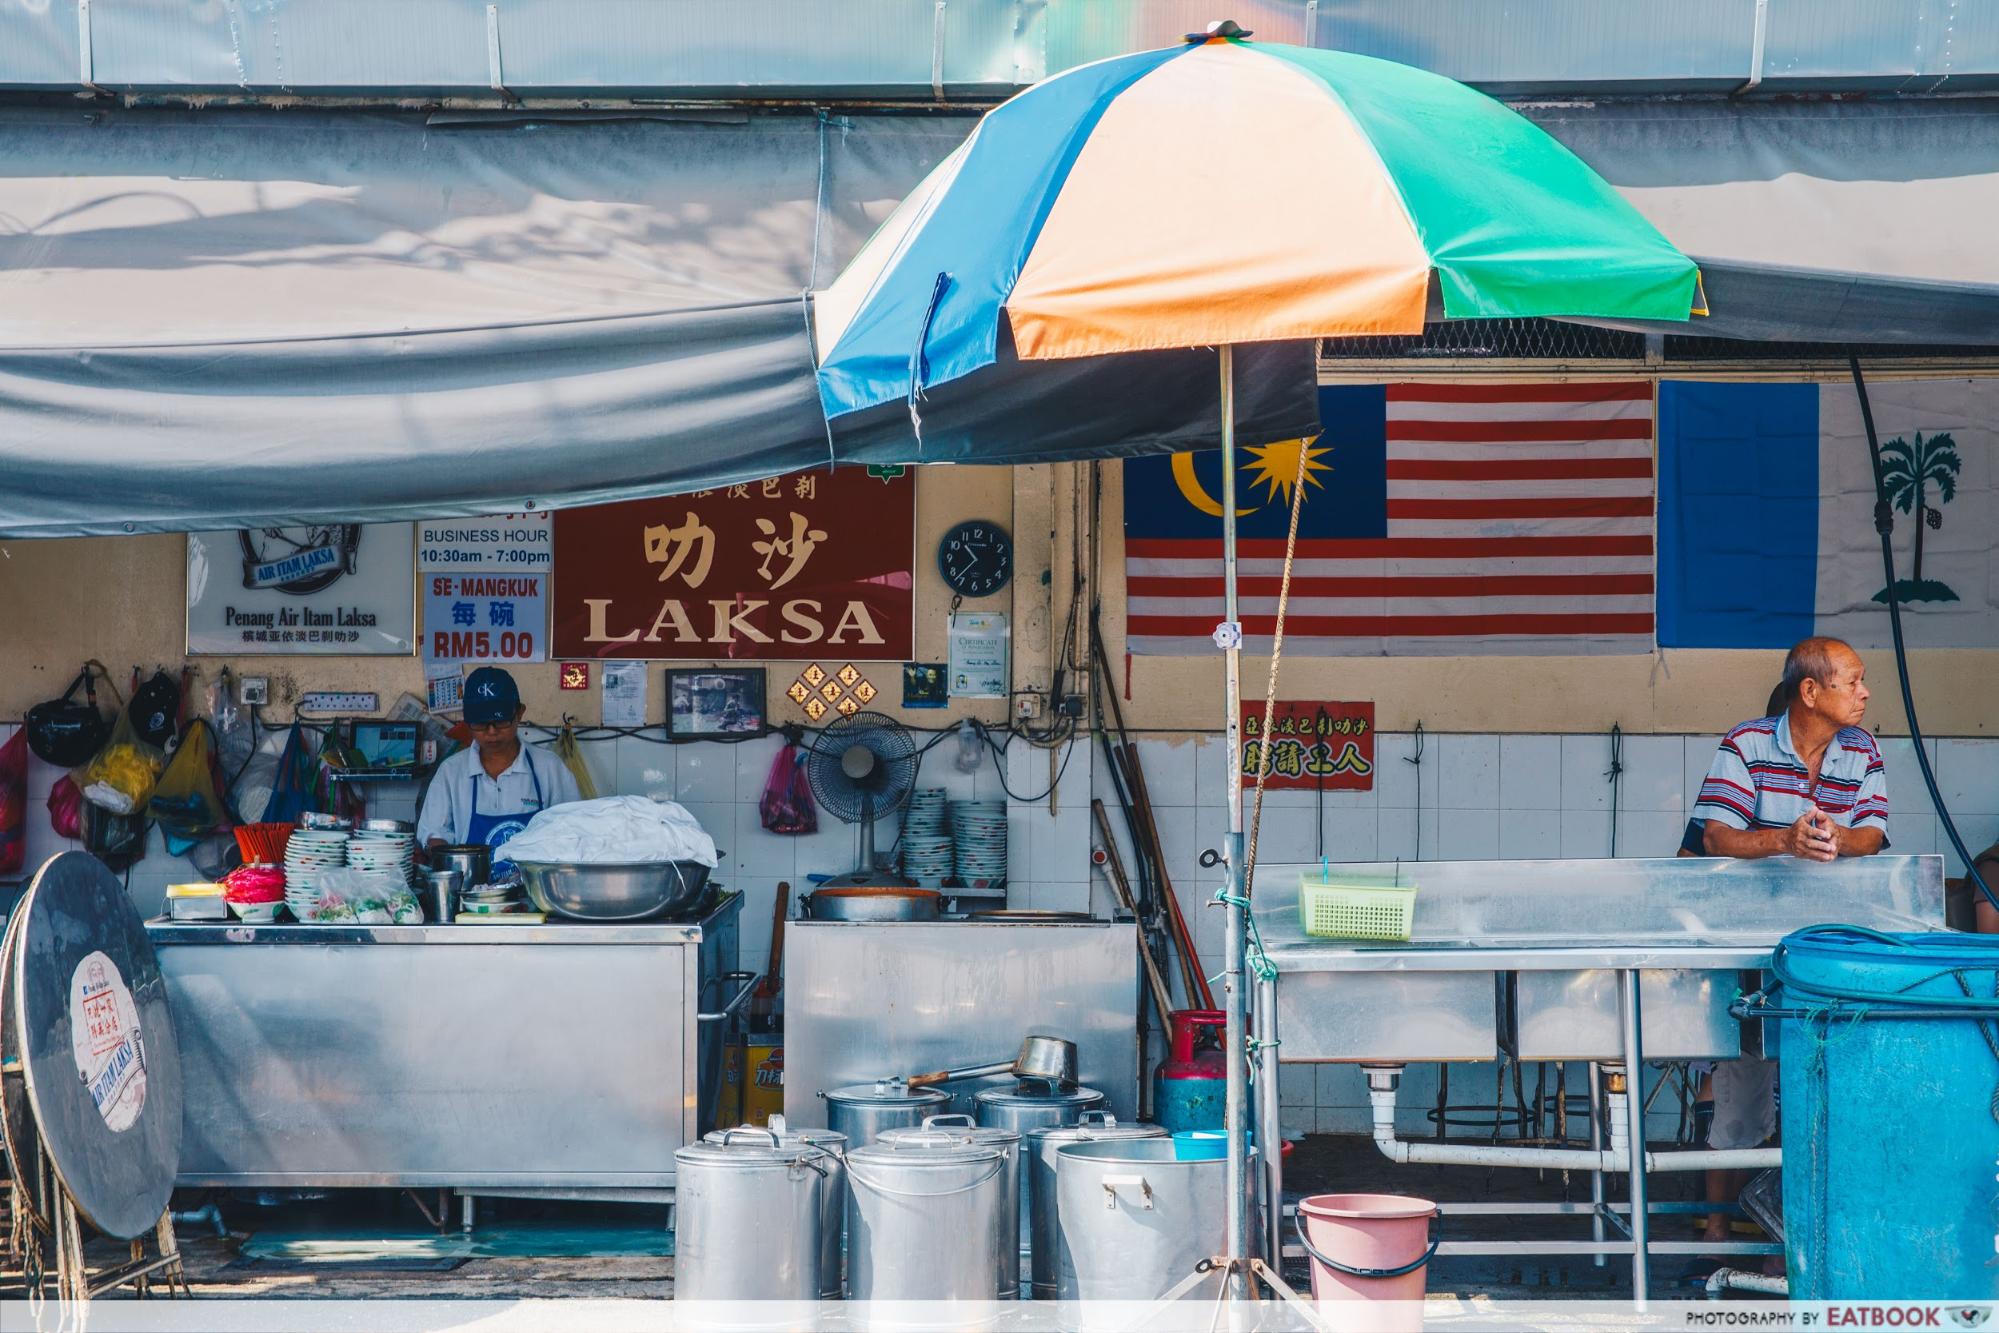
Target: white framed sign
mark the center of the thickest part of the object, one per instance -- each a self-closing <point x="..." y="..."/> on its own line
<point x="331" y="589"/>
<point x="496" y="544"/>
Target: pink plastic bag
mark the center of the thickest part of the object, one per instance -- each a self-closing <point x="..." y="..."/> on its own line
<point x="66" y="808"/>
<point x="14" y="802"/>
<point x="786" y="805"/>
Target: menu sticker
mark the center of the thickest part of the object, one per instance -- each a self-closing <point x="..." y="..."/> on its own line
<point x="104" y="1035"/>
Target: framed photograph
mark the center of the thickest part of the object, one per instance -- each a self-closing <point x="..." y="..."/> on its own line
<point x="714" y="702"/>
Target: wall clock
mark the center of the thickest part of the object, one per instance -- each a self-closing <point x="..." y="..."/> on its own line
<point x="976" y="558"/>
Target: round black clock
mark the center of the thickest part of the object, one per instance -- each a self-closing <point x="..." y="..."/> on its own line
<point x="976" y="558"/>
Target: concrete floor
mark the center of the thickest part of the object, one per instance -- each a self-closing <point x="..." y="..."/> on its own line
<point x="215" y="1268"/>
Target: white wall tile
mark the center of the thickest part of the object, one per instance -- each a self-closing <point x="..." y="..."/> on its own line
<point x="1585" y="765"/>
<point x="718" y="819"/>
<point x="1649" y="832"/>
<point x="1530" y="835"/>
<point x="1913" y="833"/>
<point x="1060" y="847"/>
<point x="1698" y="757"/>
<point x="1468" y="835"/>
<point x="1585" y="834"/>
<point x="1468" y="772"/>
<point x="42" y="777"/>
<point x="1351" y="835"/>
<point x="707" y="772"/>
<point x="1654" y="773"/>
<point x="1296" y="1085"/>
<point x="1396" y="835"/>
<point x="828" y="851"/>
<point x="1286" y="836"/>
<point x="758" y="853"/>
<point x="1530" y="772"/>
<point x="753" y="761"/>
<point x="645" y="769"/>
<point x="1396" y="781"/>
<point x="1171" y="767"/>
<point x="1968" y="776"/>
<point x="1062" y="896"/>
<point x="1209" y="760"/>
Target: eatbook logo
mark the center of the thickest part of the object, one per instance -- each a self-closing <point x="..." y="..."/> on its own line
<point x="1970" y="1316"/>
<point x="1913" y="475"/>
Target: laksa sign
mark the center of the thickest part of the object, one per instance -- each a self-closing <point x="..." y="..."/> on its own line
<point x="798" y="566"/>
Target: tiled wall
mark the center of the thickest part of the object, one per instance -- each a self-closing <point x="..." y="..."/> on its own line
<point x="1470" y="797"/>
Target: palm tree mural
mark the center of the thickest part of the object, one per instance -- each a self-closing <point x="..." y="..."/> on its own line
<point x="1909" y="472"/>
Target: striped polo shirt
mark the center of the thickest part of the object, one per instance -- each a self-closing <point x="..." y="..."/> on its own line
<point x="1758" y="781"/>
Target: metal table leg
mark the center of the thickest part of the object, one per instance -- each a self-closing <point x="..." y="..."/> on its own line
<point x="1596" y="1142"/>
<point x="1269" y="1129"/>
<point x="1634" y="1110"/>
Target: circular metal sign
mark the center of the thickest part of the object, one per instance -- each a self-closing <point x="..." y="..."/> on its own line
<point x="103" y="1071"/>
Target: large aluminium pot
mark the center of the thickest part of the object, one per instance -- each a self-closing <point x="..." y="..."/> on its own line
<point x="863" y="1111"/>
<point x="929" y="1218"/>
<point x="751" y="1219"/>
<point x="1135" y="1219"/>
<point x="622" y="891"/>
<point x="873" y="903"/>
<point x="1026" y="1107"/>
<point x="833" y="1200"/>
<point x="1043" y="1148"/>
<point x="961" y="1130"/>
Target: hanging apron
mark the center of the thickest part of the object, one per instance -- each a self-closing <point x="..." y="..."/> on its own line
<point x="492" y="830"/>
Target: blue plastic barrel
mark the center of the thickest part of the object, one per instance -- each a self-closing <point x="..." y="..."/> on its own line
<point x="1890" y="1070"/>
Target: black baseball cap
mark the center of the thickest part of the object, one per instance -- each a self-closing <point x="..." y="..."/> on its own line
<point x="491" y="696"/>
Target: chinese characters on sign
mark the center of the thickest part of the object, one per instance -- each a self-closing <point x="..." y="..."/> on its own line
<point x="485" y="588"/>
<point x="798" y="566"/>
<point x="1310" y="745"/>
<point x="330" y="588"/>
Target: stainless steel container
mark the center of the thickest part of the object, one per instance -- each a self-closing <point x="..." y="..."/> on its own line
<point x="1042" y="1152"/>
<point x="1134" y="1219"/>
<point x="441" y="895"/>
<point x="864" y="1110"/>
<point x="1029" y="1106"/>
<point x="864" y="903"/>
<point x="751" y="1219"/>
<point x="473" y="861"/>
<point x="929" y="1218"/>
<point x="630" y="891"/>
<point x="961" y="1129"/>
<point x="833" y="1200"/>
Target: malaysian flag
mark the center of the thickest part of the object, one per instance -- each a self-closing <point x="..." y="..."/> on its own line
<point x="1439" y="519"/>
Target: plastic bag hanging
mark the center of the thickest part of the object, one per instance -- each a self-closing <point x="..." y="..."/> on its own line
<point x="571" y="755"/>
<point x="291" y="794"/>
<point x="786" y="805"/>
<point x="185" y="803"/>
<point x="120" y="778"/>
<point x="14" y="803"/>
<point x="66" y="808"/>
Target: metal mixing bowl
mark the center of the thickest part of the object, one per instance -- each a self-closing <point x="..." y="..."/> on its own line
<point x="630" y="891"/>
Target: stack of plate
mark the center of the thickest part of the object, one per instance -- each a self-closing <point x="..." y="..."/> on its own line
<point x="925" y="816"/>
<point x="309" y="854"/>
<point x="928" y="861"/>
<point x="492" y="899"/>
<point x="384" y="845"/>
<point x="978" y="836"/>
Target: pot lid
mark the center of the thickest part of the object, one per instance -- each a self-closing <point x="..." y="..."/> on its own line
<point x="1042" y="1096"/>
<point x="989" y="1135"/>
<point x="748" y="1146"/>
<point x="887" y="1090"/>
<point x="1095" y="1130"/>
<point x="926" y="1147"/>
<point x="787" y="1135"/>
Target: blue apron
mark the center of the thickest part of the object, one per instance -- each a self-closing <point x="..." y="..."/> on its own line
<point x="492" y="830"/>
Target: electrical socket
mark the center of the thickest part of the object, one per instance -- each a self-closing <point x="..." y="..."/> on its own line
<point x="1071" y="706"/>
<point x="1026" y="706"/>
<point x="253" y="690"/>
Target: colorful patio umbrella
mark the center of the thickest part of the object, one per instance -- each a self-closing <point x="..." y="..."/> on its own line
<point x="1221" y="193"/>
<point x="1228" y="191"/>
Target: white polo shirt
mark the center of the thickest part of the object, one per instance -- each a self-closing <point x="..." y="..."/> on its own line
<point x="1759" y="781"/>
<point x="447" y="806"/>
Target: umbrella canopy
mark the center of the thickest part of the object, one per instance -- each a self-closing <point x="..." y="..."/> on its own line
<point x="1226" y="192"/>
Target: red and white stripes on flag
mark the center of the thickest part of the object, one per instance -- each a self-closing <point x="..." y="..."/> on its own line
<point x="1519" y="519"/>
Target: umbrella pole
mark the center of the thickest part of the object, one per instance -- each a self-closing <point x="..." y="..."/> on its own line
<point x="1236" y="1045"/>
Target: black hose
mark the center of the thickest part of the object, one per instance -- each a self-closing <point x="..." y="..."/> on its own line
<point x="1884" y="523"/>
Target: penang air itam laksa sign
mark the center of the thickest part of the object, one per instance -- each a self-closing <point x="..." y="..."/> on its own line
<point x="328" y="588"/>
<point x="800" y="566"/>
<point x="1310" y="745"/>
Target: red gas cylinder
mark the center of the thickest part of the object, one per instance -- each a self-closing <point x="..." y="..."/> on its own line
<point x="1191" y="1087"/>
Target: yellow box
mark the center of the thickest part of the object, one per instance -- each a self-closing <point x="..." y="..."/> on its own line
<point x="752" y="1083"/>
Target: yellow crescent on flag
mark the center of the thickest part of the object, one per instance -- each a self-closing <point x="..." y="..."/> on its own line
<point x="1190" y="486"/>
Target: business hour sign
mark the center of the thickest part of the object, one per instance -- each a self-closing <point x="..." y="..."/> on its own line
<point x="798" y="566"/>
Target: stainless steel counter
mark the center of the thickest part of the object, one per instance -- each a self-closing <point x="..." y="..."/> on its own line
<point x="561" y="1056"/>
<point x="864" y="1000"/>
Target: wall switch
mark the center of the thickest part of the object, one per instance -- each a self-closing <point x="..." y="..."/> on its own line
<point x="253" y="690"/>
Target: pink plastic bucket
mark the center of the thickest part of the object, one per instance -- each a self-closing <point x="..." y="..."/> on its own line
<point x="1375" y="1233"/>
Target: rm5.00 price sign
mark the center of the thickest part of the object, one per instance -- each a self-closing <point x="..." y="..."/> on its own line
<point x="485" y="617"/>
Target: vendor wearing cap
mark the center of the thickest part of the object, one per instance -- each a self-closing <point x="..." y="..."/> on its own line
<point x="485" y="794"/>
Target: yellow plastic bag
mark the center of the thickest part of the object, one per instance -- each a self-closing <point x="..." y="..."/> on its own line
<point x="120" y="779"/>
<point x="571" y="755"/>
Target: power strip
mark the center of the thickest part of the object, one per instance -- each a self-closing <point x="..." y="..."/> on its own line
<point x="338" y="701"/>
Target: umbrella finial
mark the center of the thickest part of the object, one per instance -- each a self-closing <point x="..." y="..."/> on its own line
<point x="1220" y="28"/>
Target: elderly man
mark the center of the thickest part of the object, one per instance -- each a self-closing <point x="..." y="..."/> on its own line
<point x="1805" y="782"/>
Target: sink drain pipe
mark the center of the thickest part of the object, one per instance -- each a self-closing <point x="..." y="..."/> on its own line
<point x="1737" y="1279"/>
<point x="207" y="1215"/>
<point x="1384" y="1080"/>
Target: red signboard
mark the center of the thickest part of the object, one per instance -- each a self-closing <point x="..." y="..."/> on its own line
<point x="811" y="564"/>
<point x="1310" y="745"/>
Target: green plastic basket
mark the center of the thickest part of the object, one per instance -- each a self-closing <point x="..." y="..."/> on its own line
<point x="1356" y="910"/>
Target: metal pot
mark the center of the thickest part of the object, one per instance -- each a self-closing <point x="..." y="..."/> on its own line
<point x="1133" y="1219"/>
<point x="864" y="1111"/>
<point x="751" y="1219"/>
<point x="961" y="1130"/>
<point x="929" y="1219"/>
<point x="873" y="904"/>
<point x="623" y="891"/>
<point x="473" y="861"/>
<point x="1043" y="1147"/>
<point x="833" y="1199"/>
<point x="1027" y="1107"/>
